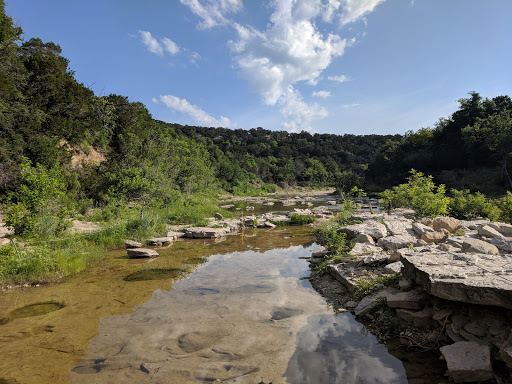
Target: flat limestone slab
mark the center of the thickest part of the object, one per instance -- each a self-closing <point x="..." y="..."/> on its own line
<point x="468" y="361"/>
<point x="204" y="232"/>
<point x="468" y="278"/>
<point x="141" y="252"/>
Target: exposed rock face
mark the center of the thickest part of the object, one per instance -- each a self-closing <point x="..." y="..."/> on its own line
<point x="204" y="232"/>
<point x="420" y="319"/>
<point x="364" y="239"/>
<point x="395" y="267"/>
<point x="364" y="249"/>
<point x="468" y="361"/>
<point x="397" y="241"/>
<point x="469" y="278"/>
<point x="479" y="246"/>
<point x="502" y="243"/>
<point x="370" y="227"/>
<point x="141" y="252"/>
<point x="320" y="251"/>
<point x="448" y="223"/>
<point x="408" y="300"/>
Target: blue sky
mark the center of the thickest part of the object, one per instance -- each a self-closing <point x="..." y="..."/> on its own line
<point x="325" y="66"/>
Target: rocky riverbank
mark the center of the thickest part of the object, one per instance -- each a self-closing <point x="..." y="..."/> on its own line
<point x="454" y="291"/>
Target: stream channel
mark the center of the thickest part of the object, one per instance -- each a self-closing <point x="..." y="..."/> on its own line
<point x="240" y="310"/>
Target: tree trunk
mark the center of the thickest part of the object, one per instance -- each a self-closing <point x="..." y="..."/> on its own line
<point x="505" y="171"/>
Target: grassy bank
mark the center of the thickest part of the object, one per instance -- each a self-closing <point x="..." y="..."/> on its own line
<point x="43" y="260"/>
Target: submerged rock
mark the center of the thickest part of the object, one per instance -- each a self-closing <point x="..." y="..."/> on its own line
<point x="157" y="241"/>
<point x="468" y="361"/>
<point x="141" y="252"/>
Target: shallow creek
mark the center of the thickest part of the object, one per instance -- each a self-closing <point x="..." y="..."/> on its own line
<point x="240" y="310"/>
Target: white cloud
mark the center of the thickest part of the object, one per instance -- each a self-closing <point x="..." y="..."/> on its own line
<point x="182" y="105"/>
<point x="322" y="94"/>
<point x="339" y="79"/>
<point x="170" y="46"/>
<point x="151" y="43"/>
<point x="213" y="12"/>
<point x="297" y="113"/>
<point x="354" y="10"/>
<point x="158" y="47"/>
<point x="353" y="105"/>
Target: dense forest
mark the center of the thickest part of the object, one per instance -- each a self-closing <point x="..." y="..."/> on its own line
<point x="64" y="149"/>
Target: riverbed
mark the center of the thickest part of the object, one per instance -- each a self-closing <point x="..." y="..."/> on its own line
<point x="238" y="310"/>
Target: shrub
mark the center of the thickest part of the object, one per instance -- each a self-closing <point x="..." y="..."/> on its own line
<point x="419" y="193"/>
<point x="298" y="219"/>
<point x="334" y="241"/>
<point x="464" y="205"/>
<point x="505" y="206"/>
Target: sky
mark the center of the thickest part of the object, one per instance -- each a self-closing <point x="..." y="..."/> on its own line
<point x="323" y="66"/>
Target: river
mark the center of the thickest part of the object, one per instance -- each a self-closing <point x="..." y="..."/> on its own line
<point x="239" y="310"/>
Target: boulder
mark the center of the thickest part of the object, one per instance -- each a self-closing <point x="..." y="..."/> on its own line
<point x="132" y="244"/>
<point x="370" y="227"/>
<point x="397" y="227"/>
<point x="505" y="244"/>
<point x="175" y="235"/>
<point x="397" y="241"/>
<point x="218" y="216"/>
<point x="141" y="252"/>
<point x="395" y="267"/>
<point x="488" y="231"/>
<point x="204" y="232"/>
<point x="448" y="223"/>
<point x="377" y="258"/>
<point x="364" y="249"/>
<point x="435" y="236"/>
<point x="364" y="239"/>
<point x="268" y="224"/>
<point x="503" y="228"/>
<point x="420" y="319"/>
<point x="158" y="241"/>
<point x="415" y="299"/>
<point x="368" y="302"/>
<point x="227" y="206"/>
<point x="468" y="278"/>
<point x="420" y="228"/>
<point x="468" y="361"/>
<point x="479" y="246"/>
<point x="320" y="251"/>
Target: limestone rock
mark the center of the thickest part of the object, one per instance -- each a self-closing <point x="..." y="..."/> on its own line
<point x="408" y="300"/>
<point x="395" y="267"/>
<point x="227" y="206"/>
<point x="344" y="276"/>
<point x="397" y="227"/>
<point x="175" y="235"/>
<point x="204" y="232"/>
<point x="503" y="228"/>
<point x="448" y="223"/>
<point x="488" y="231"/>
<point x="132" y="244"/>
<point x="420" y="228"/>
<point x="396" y="241"/>
<point x="370" y="227"/>
<point x="505" y="244"/>
<point x="4" y="241"/>
<point x="468" y="361"/>
<point x="479" y="246"/>
<point x="157" y="241"/>
<point x="319" y="251"/>
<point x="368" y="302"/>
<point x="468" y="278"/>
<point x="364" y="249"/>
<point x="141" y="252"/>
<point x="377" y="258"/>
<point x="364" y="239"/>
<point x="436" y="236"/>
<point x="268" y="224"/>
<point x="420" y="319"/>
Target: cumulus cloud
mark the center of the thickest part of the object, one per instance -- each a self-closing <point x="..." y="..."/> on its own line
<point x="213" y="12"/>
<point x="298" y="114"/>
<point x="339" y="79"/>
<point x="354" y="10"/>
<point x="158" y="47"/>
<point x="322" y="94"/>
<point x="182" y="105"/>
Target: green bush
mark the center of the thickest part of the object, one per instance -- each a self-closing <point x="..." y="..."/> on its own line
<point x="419" y="193"/>
<point x="465" y="205"/>
<point x="334" y="241"/>
<point x="505" y="206"/>
<point x="298" y="219"/>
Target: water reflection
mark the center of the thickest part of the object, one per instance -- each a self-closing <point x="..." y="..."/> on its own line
<point x="337" y="349"/>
